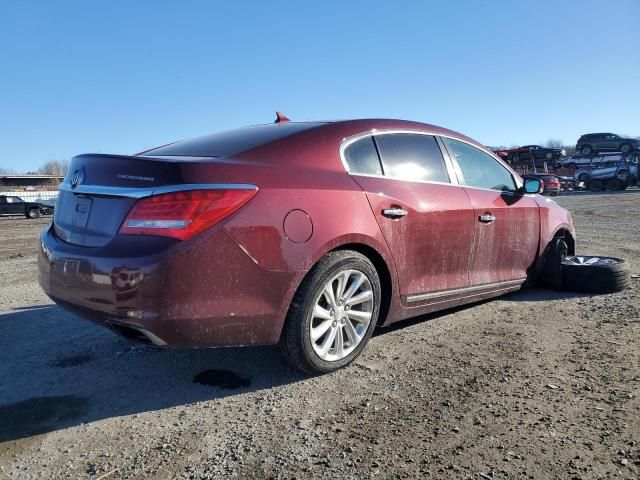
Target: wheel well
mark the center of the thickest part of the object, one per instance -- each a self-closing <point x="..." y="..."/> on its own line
<point x="568" y="239"/>
<point x="383" y="272"/>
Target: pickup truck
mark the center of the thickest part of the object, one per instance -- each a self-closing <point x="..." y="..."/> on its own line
<point x="10" y="205"/>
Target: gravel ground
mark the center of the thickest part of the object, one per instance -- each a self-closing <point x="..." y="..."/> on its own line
<point x="537" y="384"/>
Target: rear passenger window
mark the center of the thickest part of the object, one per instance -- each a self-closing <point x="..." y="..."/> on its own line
<point x="412" y="157"/>
<point x="362" y="158"/>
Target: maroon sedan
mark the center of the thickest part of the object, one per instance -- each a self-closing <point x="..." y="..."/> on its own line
<point x="306" y="234"/>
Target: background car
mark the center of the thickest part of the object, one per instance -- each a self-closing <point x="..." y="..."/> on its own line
<point x="13" y="205"/>
<point x="539" y="155"/>
<point x="600" y="142"/>
<point x="609" y="171"/>
<point x="306" y="234"/>
<point x="551" y="183"/>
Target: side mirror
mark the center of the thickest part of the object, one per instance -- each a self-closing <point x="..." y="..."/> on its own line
<point x="532" y="185"/>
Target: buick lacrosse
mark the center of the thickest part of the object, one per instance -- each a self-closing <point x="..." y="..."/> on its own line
<point x="306" y="234"/>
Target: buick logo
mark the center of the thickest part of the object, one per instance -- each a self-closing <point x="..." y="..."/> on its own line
<point x="76" y="178"/>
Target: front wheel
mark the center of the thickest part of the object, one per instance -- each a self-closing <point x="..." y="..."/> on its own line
<point x="625" y="148"/>
<point x="333" y="313"/>
<point x="586" y="150"/>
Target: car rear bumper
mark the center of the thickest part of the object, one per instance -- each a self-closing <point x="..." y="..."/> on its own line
<point x="205" y="292"/>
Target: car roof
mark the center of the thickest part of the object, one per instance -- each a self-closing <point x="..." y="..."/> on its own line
<point x="245" y="139"/>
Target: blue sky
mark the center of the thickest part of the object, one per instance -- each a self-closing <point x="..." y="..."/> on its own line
<point x="123" y="76"/>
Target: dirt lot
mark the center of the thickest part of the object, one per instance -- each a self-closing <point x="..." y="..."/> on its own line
<point x="537" y="384"/>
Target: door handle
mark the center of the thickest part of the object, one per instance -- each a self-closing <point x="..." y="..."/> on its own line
<point x="487" y="218"/>
<point x="394" y="212"/>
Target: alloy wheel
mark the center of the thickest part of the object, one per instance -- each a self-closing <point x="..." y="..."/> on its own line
<point x="341" y="315"/>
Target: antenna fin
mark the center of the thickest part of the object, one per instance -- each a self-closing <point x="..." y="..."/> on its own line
<point x="281" y="118"/>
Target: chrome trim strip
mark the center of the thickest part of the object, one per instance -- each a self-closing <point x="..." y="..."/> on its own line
<point x="133" y="192"/>
<point x="456" y="291"/>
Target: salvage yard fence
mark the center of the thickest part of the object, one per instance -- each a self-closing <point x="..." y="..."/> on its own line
<point x="33" y="196"/>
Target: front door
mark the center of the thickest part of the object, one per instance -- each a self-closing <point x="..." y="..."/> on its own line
<point x="507" y="223"/>
<point x="427" y="222"/>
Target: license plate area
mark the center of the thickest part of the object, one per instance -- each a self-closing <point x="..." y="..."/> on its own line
<point x="82" y="210"/>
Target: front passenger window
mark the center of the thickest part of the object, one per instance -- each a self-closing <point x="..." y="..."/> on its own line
<point x="479" y="169"/>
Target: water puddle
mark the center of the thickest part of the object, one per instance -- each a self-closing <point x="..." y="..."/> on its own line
<point x="39" y="415"/>
<point x="222" y="379"/>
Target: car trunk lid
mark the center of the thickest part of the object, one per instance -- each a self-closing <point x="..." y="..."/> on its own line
<point x="99" y="190"/>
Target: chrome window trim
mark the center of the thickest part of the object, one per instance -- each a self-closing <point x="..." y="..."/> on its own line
<point x="451" y="165"/>
<point x="476" y="288"/>
<point x="134" y="192"/>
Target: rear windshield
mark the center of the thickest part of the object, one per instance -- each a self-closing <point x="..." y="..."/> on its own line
<point x="232" y="141"/>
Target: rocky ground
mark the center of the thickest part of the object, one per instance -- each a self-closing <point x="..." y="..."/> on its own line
<point x="537" y="384"/>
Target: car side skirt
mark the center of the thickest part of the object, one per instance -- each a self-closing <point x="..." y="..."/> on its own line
<point x="467" y="292"/>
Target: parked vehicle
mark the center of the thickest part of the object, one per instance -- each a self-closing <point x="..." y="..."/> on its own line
<point x="540" y="155"/>
<point x="576" y="161"/>
<point x="610" y="172"/>
<point x="303" y="234"/>
<point x="567" y="183"/>
<point x="605" y="142"/>
<point x="12" y="205"/>
<point x="551" y="183"/>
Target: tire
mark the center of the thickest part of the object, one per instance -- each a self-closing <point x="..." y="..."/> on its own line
<point x="33" y="213"/>
<point x="595" y="274"/>
<point x="551" y="274"/>
<point x="515" y="159"/>
<point x="596" y="186"/>
<point x="625" y="148"/>
<point x="614" y="184"/>
<point x="303" y="352"/>
<point x="582" y="177"/>
<point x="586" y="150"/>
<point x="548" y="156"/>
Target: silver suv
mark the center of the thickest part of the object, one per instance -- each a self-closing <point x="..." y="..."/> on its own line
<point x="599" y="142"/>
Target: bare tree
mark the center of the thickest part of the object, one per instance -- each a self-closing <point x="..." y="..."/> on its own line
<point x="54" y="167"/>
<point x="6" y="171"/>
<point x="554" y="143"/>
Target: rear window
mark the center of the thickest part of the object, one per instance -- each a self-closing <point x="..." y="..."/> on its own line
<point x="362" y="158"/>
<point x="231" y="141"/>
<point x="412" y="157"/>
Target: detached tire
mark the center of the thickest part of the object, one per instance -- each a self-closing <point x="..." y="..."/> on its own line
<point x="333" y="313"/>
<point x="595" y="274"/>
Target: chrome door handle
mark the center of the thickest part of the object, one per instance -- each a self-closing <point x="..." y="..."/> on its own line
<point x="486" y="218"/>
<point x="394" y="212"/>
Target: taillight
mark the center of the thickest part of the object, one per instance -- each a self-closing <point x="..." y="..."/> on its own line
<point x="182" y="215"/>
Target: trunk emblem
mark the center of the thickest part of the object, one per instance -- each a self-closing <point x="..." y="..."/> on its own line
<point x="77" y="177"/>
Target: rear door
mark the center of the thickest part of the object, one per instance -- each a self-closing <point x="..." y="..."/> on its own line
<point x="426" y="219"/>
<point x="15" y="206"/>
<point x="506" y="223"/>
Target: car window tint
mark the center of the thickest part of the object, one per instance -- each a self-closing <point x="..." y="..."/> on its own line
<point x="14" y="200"/>
<point x="362" y="158"/>
<point x="480" y="169"/>
<point x="412" y="157"/>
